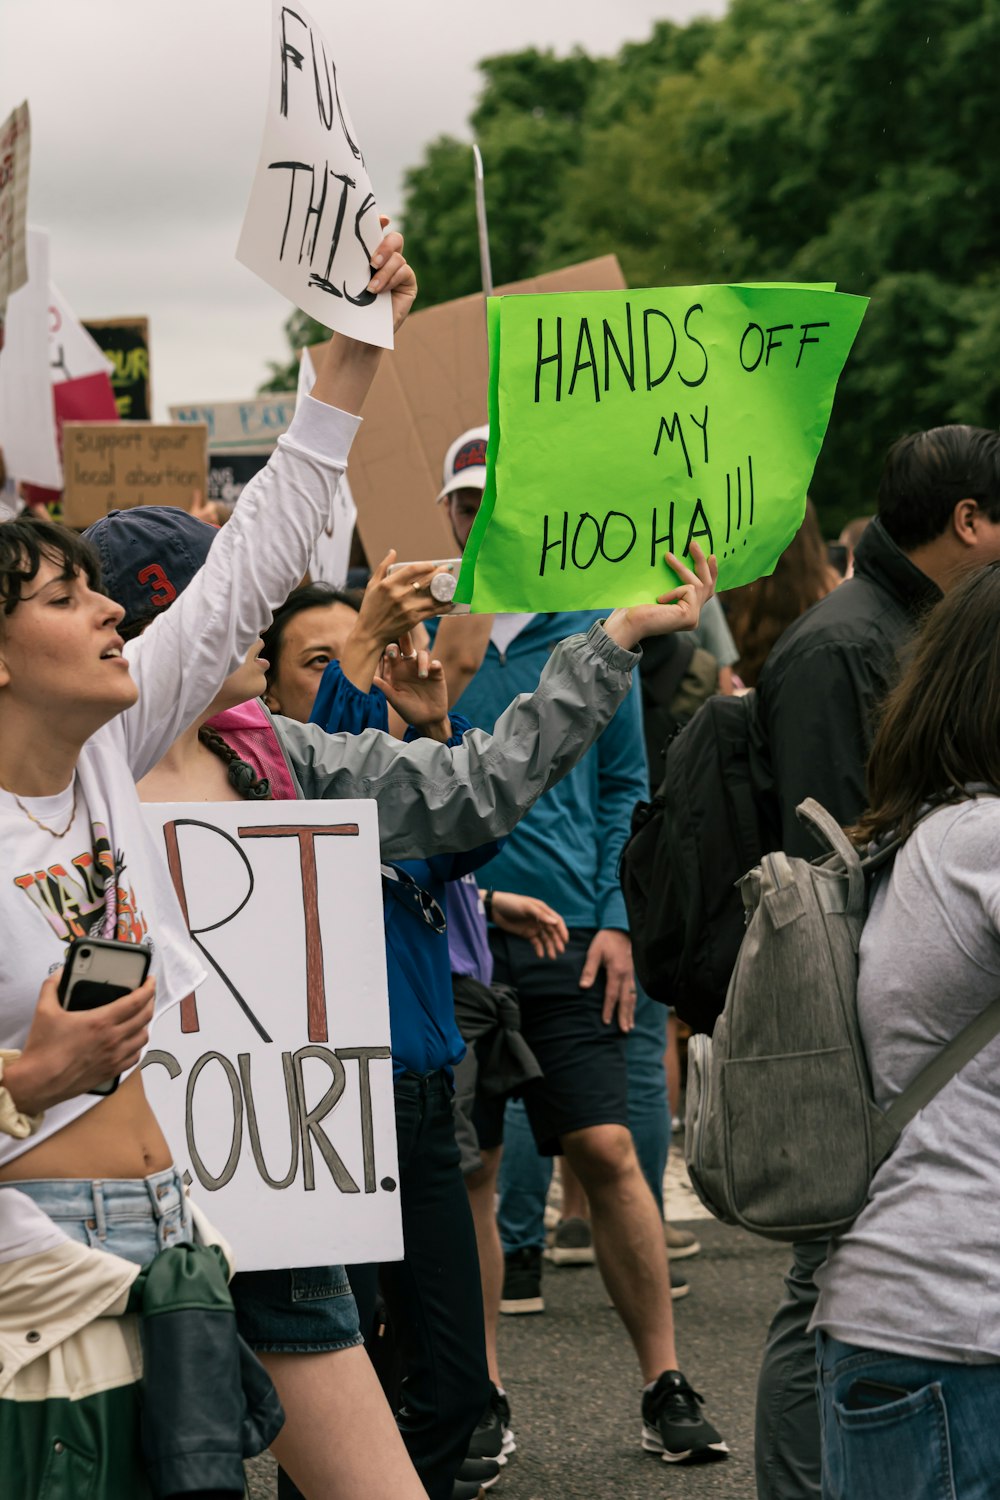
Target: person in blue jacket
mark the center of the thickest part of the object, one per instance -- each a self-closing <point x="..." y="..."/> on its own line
<point x="433" y="1295"/>
<point x="566" y="849"/>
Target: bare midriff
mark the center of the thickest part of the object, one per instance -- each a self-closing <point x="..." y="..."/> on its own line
<point x="118" y="1138"/>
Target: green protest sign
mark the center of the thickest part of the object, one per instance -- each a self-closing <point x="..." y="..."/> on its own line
<point x="627" y="424"/>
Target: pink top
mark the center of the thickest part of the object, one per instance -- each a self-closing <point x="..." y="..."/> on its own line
<point x="248" y="730"/>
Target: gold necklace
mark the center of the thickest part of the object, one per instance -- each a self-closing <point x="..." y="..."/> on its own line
<point x="37" y="821"/>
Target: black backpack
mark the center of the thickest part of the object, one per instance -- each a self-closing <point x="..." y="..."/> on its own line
<point x="687" y="852"/>
<point x="675" y="678"/>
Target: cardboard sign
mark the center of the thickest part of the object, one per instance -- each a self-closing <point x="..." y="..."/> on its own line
<point x="433" y="388"/>
<point x="15" y="156"/>
<point x="27" y="415"/>
<point x="627" y="424"/>
<point x="115" y="465"/>
<point x="312" y="222"/>
<point x="273" y="1083"/>
<point x="125" y="342"/>
<point x="251" y="426"/>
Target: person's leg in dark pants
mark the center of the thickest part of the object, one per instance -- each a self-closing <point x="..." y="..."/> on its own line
<point x="434" y="1294"/>
<point x="787" y="1438"/>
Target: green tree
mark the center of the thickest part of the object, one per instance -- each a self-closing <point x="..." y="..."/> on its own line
<point x="855" y="141"/>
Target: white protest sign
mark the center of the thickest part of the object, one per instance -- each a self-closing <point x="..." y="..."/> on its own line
<point x="312" y="222"/>
<point x="27" y="412"/>
<point x="73" y="352"/>
<point x="331" y="556"/>
<point x="273" y="1083"/>
<point x="15" y="155"/>
<point x="251" y="426"/>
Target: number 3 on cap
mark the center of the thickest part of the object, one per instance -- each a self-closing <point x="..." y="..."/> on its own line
<point x="158" y="580"/>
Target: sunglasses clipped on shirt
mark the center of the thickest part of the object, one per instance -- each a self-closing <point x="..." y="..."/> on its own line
<point x="411" y="894"/>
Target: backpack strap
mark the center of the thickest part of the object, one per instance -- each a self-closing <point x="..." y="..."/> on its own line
<point x="829" y="832"/>
<point x="950" y="1060"/>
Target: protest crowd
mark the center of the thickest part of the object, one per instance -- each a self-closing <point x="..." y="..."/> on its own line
<point x="727" y="848"/>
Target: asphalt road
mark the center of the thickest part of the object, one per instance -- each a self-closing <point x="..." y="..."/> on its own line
<point x="574" y="1386"/>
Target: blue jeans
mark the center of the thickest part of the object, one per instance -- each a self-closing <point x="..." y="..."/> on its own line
<point x="135" y="1218"/>
<point x="648" y="1105"/>
<point x="523" y="1184"/>
<point x="434" y="1294"/>
<point x="937" y="1442"/>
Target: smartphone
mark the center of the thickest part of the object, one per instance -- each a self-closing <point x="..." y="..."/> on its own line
<point x="454" y="564"/>
<point x="866" y="1395"/>
<point x="836" y="556"/>
<point x="97" y="971"/>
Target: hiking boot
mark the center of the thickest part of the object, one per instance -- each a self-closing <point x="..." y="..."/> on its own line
<point x="483" y="1472"/>
<point x="493" y="1437"/>
<point x="680" y="1242"/>
<point x="522" y="1282"/>
<point x="673" y="1424"/>
<point x="572" y="1244"/>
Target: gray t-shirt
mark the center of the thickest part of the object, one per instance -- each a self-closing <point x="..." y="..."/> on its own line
<point x="918" y="1273"/>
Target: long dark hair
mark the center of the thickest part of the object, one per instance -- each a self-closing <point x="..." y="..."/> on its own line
<point x="940" y="727"/>
<point x="760" y="612"/>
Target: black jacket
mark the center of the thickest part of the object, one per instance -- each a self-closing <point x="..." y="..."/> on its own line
<point x="822" y="684"/>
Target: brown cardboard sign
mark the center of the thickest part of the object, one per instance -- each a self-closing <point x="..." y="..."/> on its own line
<point x="430" y="390"/>
<point x="117" y="465"/>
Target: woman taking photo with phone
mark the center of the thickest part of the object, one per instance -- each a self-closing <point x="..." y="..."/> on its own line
<point x="909" y="1311"/>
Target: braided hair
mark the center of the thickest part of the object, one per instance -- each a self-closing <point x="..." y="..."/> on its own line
<point x="242" y="776"/>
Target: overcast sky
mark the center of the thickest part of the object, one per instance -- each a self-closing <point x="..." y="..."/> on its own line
<point x="147" y="119"/>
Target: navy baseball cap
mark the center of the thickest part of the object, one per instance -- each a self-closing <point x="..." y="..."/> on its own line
<point x="148" y="556"/>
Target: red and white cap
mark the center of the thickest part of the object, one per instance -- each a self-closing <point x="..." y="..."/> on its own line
<point x="465" y="462"/>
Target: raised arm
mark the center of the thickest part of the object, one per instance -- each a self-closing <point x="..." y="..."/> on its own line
<point x="434" y="799"/>
<point x="184" y="657"/>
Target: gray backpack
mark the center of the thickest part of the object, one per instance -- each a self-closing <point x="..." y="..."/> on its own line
<point x="782" y="1134"/>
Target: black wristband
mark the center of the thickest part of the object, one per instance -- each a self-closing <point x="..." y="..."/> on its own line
<point x="488" y="904"/>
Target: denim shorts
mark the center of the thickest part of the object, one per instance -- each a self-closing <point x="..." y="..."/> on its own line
<point x="309" y="1310"/>
<point x="134" y="1218"/>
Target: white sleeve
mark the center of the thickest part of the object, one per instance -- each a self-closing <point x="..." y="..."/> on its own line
<point x="180" y="663"/>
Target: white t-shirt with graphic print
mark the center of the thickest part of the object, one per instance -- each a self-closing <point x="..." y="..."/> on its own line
<point x="50" y="890"/>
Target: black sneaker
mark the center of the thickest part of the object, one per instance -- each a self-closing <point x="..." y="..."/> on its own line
<point x="673" y="1426"/>
<point x="483" y="1472"/>
<point x="493" y="1437"/>
<point x="522" y="1282"/>
<point x="501" y="1405"/>
<point x="466" y="1490"/>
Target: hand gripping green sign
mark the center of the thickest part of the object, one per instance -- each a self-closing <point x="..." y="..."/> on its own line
<point x="627" y="424"/>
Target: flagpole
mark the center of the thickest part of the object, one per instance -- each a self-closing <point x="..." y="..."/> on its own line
<point x="486" y="267"/>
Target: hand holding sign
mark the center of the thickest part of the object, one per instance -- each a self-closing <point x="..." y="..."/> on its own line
<point x="312" y="225"/>
<point x="678" y="609"/>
